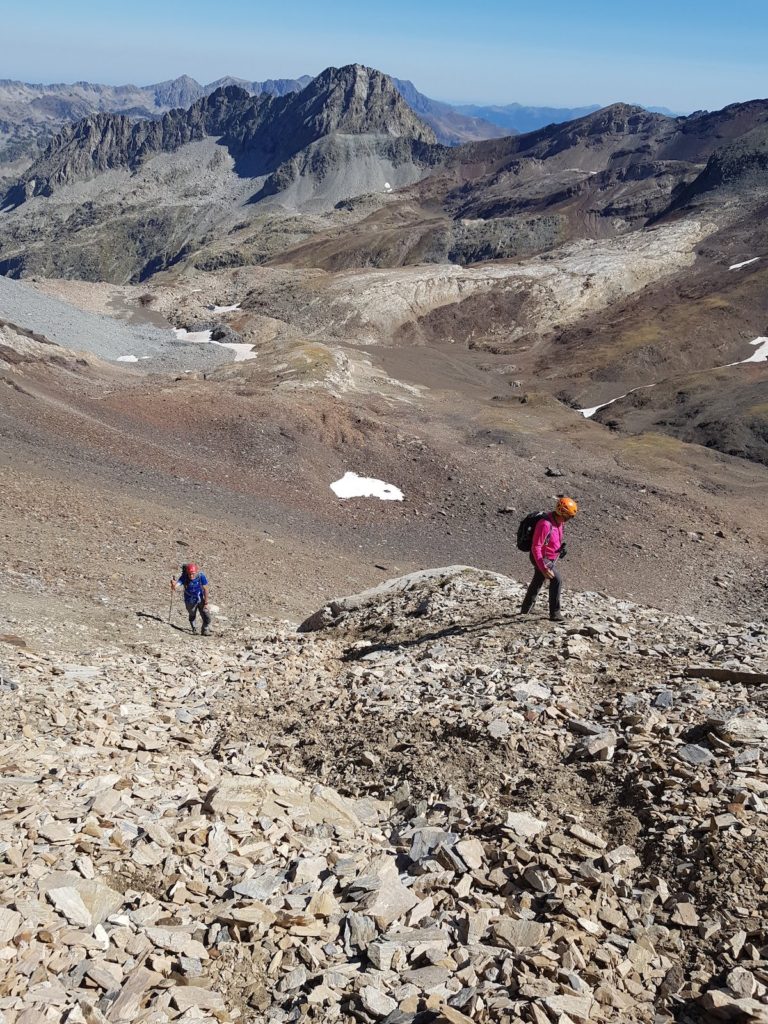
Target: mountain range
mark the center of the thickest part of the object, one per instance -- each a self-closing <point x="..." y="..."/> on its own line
<point x="31" y="113"/>
<point x="350" y="137"/>
<point x="595" y="241"/>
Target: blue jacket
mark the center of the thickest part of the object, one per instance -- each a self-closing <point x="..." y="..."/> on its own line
<point x="193" y="589"/>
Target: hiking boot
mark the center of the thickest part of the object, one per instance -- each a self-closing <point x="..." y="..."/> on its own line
<point x="557" y="617"/>
<point x="205" y="631"/>
<point x="192" y="628"/>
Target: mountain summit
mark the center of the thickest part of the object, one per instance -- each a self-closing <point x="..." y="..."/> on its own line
<point x="261" y="131"/>
<point x="356" y="100"/>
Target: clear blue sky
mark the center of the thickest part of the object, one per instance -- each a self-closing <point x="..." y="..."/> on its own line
<point x="684" y="54"/>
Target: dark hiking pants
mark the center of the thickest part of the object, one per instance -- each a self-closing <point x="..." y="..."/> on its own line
<point x="538" y="581"/>
<point x="205" y="615"/>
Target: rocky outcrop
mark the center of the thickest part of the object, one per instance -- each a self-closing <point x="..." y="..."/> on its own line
<point x="737" y="170"/>
<point x="428" y="811"/>
<point x="104" y="142"/>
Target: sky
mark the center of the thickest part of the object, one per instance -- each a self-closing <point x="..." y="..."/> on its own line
<point x="679" y="54"/>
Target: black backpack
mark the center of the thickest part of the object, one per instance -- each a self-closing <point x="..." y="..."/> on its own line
<point x="526" y="528"/>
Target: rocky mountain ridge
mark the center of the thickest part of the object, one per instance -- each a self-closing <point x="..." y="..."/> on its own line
<point x="611" y="171"/>
<point x="30" y="114"/>
<point x="263" y="130"/>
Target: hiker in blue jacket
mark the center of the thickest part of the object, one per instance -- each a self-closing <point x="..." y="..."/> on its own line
<point x="195" y="586"/>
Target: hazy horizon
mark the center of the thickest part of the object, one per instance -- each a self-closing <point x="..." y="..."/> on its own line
<point x="683" y="57"/>
<point x="204" y="81"/>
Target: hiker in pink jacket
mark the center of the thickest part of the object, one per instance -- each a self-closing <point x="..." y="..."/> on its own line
<point x="546" y="547"/>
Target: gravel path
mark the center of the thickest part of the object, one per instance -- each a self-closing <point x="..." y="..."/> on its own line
<point x="153" y="348"/>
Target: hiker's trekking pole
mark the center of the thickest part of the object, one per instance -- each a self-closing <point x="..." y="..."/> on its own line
<point x="170" y="606"/>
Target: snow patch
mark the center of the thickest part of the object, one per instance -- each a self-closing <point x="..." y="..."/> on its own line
<point x="590" y="412"/>
<point x="127" y="359"/>
<point x="242" y="351"/>
<point x="224" y="309"/>
<point x="353" y="486"/>
<point x="761" y="356"/>
<point x="746" y="263"/>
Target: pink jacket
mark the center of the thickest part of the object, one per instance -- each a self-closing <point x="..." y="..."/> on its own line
<point x="547" y="541"/>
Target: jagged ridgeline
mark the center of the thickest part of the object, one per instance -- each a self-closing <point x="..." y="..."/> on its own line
<point x="264" y="131"/>
<point x="238" y="179"/>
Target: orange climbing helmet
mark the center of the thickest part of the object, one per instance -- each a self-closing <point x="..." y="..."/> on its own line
<point x="566" y="507"/>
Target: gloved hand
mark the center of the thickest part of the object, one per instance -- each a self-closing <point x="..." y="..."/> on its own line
<point x="563" y="551"/>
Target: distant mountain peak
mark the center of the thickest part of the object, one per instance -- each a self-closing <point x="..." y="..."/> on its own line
<point x="355" y="99"/>
<point x="352" y="100"/>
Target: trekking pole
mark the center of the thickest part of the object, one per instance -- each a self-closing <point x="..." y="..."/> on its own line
<point x="170" y="606"/>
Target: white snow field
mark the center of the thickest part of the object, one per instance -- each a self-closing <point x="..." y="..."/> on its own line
<point x="760" y="356"/>
<point x="242" y="351"/>
<point x="353" y="486"/>
<point x="746" y="263"/>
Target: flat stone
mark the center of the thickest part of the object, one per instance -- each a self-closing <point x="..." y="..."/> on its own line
<point x="260" y="888"/>
<point x="600" y="747"/>
<point x="172" y="938"/>
<point x="685" y="914"/>
<point x="427" y="979"/>
<point x="723" y="1006"/>
<point x="744" y="730"/>
<point x="279" y="796"/>
<point x="253" y="913"/>
<point x="585" y="836"/>
<point x="69" y="903"/>
<point x="523" y="824"/>
<point x="392" y="899"/>
<point x="694" y="754"/>
<point x="294" y="979"/>
<point x="519" y="934"/>
<point x="184" y="997"/>
<point x="382" y="951"/>
<point x="375" y="1002"/>
<point x="471" y="852"/>
<point x="128" y="1004"/>
<point x="98" y="899"/>
<point x="360" y="929"/>
<point x="741" y="982"/>
<point x="450" y="1015"/>
<point x="578" y="1008"/>
<point x="10" y="921"/>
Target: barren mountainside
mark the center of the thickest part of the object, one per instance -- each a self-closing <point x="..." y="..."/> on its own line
<point x="330" y="343"/>
<point x="348" y="135"/>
